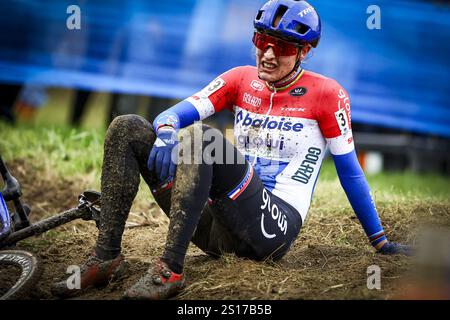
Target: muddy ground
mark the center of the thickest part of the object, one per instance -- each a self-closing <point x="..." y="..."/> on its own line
<point x="329" y="259"/>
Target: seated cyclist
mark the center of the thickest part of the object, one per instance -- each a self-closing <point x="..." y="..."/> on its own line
<point x="254" y="200"/>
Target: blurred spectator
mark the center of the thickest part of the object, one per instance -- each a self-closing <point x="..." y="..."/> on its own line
<point x="430" y="277"/>
<point x="122" y="104"/>
<point x="79" y="106"/>
<point x="8" y="96"/>
<point x="156" y="106"/>
<point x="31" y="98"/>
<point x="129" y="104"/>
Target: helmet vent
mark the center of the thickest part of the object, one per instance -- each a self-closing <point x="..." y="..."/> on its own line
<point x="259" y="15"/>
<point x="301" y="28"/>
<point x="279" y="15"/>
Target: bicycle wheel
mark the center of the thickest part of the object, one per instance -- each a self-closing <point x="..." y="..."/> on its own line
<point x="19" y="272"/>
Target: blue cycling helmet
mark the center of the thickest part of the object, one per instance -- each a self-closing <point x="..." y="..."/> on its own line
<point x="300" y="22"/>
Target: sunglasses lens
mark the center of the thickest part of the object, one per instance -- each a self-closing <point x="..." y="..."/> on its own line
<point x="280" y="47"/>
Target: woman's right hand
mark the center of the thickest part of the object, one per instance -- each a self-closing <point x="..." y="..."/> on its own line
<point x="161" y="161"/>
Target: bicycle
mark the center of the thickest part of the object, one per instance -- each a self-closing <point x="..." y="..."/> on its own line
<point x="15" y="226"/>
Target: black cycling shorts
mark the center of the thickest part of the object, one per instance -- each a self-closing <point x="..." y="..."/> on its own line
<point x="241" y="215"/>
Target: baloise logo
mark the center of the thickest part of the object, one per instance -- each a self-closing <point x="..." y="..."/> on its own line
<point x="268" y="123"/>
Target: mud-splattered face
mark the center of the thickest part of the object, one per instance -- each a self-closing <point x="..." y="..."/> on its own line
<point x="272" y="68"/>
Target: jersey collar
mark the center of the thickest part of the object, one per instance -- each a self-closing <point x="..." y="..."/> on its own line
<point x="287" y="83"/>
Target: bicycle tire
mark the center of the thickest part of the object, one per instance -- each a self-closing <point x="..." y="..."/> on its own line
<point x="30" y="272"/>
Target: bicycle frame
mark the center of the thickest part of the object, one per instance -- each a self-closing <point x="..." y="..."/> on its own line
<point x="17" y="227"/>
<point x="12" y="192"/>
<point x="5" y="219"/>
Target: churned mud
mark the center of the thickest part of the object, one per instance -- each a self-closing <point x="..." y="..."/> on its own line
<point x="329" y="259"/>
<point x="8" y="277"/>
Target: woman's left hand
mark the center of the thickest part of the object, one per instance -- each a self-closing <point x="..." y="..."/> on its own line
<point x="396" y="248"/>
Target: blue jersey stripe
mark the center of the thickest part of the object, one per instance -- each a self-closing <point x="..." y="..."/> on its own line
<point x="268" y="170"/>
<point x="179" y="116"/>
<point x="358" y="193"/>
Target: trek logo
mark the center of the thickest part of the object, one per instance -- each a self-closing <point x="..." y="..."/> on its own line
<point x="298" y="92"/>
<point x="276" y="215"/>
<point x="290" y="109"/>
<point x="306" y="11"/>
<point x="268" y="122"/>
<point x="258" y="86"/>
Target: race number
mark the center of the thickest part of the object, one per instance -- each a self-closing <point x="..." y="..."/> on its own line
<point x="212" y="87"/>
<point x="343" y="122"/>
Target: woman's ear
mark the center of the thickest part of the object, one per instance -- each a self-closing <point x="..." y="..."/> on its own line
<point x="304" y="52"/>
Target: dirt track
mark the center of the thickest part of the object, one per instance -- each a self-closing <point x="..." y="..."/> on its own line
<point x="329" y="259"/>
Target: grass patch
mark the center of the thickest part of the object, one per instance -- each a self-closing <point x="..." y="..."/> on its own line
<point x="66" y="151"/>
<point x="397" y="185"/>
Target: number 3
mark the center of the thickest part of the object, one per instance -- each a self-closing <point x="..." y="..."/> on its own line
<point x="215" y="85"/>
<point x="341" y="115"/>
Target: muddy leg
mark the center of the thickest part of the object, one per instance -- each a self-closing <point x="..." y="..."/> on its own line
<point x="204" y="171"/>
<point x="128" y="142"/>
<point x="189" y="195"/>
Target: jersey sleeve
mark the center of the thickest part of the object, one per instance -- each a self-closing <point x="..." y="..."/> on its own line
<point x="335" y="123"/>
<point x="334" y="117"/>
<point x="220" y="94"/>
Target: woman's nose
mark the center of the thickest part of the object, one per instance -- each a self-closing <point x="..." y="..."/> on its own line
<point x="269" y="52"/>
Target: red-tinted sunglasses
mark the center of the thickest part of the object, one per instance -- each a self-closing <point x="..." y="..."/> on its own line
<point x="280" y="47"/>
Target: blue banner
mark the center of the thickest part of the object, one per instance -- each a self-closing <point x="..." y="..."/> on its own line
<point x="397" y="76"/>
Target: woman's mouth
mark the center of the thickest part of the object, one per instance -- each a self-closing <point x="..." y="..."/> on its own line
<point x="269" y="66"/>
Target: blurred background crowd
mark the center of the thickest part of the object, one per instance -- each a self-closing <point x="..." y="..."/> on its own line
<point x="142" y="56"/>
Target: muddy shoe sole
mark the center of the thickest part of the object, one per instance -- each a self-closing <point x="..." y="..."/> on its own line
<point x="162" y="292"/>
<point x="147" y="289"/>
<point x="61" y="289"/>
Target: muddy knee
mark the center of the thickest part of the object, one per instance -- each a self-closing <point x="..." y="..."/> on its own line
<point x="130" y="127"/>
